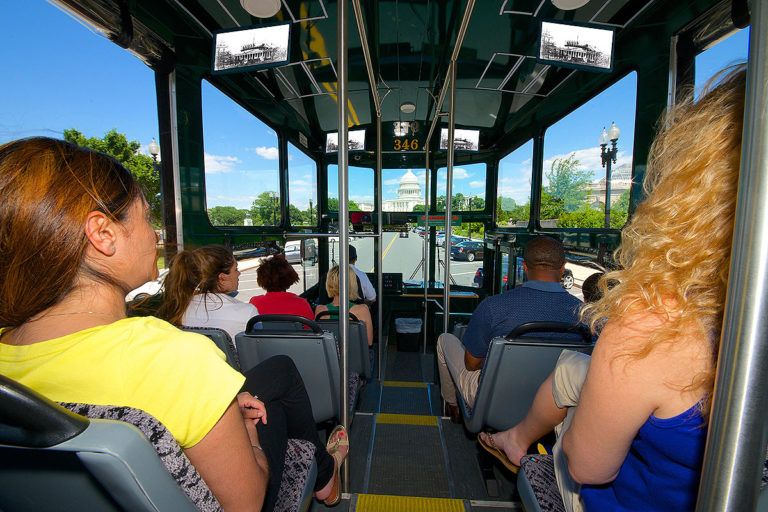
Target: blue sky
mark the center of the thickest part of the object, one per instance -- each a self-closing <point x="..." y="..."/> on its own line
<point x="64" y="75"/>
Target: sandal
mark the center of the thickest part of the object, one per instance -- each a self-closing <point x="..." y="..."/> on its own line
<point x="338" y="438"/>
<point x="497" y="452"/>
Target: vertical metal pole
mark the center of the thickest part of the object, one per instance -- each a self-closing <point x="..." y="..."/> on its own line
<point x="425" y="251"/>
<point x="341" y="92"/>
<point x="380" y="261"/>
<point x="738" y="431"/>
<point x="448" y="198"/>
<point x="608" y="189"/>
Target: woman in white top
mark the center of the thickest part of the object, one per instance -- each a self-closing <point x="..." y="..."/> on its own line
<point x="197" y="291"/>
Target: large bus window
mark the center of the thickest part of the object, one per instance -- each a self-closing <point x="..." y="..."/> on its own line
<point x="302" y="188"/>
<point x="513" y="194"/>
<point x="726" y="52"/>
<point x="574" y="187"/>
<point x="465" y="245"/>
<point x="402" y="190"/>
<point x="468" y="192"/>
<point x="242" y="184"/>
<point x="360" y="180"/>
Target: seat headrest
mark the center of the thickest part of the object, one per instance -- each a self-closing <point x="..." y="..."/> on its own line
<point x="29" y="419"/>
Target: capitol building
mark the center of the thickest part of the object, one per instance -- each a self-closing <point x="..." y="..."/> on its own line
<point x="409" y="194"/>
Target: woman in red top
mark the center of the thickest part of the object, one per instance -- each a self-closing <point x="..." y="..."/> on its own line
<point x="276" y="275"/>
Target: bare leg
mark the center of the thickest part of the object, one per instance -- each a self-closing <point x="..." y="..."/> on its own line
<point x="541" y="419"/>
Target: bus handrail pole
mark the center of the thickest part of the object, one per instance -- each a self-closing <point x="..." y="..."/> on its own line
<point x="379" y="258"/>
<point x="448" y="199"/>
<point x="425" y="250"/>
<point x="454" y="56"/>
<point x="368" y="63"/>
<point x="737" y="434"/>
<point x="343" y="156"/>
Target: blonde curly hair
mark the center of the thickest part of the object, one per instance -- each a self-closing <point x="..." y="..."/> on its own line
<point x="675" y="251"/>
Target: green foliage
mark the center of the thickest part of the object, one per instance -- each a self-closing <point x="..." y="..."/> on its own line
<point x="568" y="183"/>
<point x="418" y="208"/>
<point x="127" y="153"/>
<point x="333" y="205"/>
<point x="552" y="207"/>
<point x="587" y="217"/>
<point x="265" y="210"/>
<point x="227" y="216"/>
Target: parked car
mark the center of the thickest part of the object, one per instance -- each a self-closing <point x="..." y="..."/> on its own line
<point x="566" y="281"/>
<point x="293" y="254"/>
<point x="468" y="250"/>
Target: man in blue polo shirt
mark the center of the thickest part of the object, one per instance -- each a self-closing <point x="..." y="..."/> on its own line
<point x="541" y="298"/>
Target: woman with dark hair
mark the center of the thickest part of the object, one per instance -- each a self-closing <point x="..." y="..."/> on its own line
<point x="75" y="238"/>
<point x="197" y="288"/>
<point x="276" y="275"/>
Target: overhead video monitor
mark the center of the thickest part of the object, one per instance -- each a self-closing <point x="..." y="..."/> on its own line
<point x="463" y="140"/>
<point x="355" y="141"/>
<point x="249" y="48"/>
<point x="576" y="45"/>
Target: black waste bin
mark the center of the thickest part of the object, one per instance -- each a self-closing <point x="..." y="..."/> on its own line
<point x="408" y="334"/>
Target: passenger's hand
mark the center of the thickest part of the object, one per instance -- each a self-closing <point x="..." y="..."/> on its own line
<point x="252" y="408"/>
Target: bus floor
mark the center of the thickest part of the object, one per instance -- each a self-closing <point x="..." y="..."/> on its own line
<point x="405" y="457"/>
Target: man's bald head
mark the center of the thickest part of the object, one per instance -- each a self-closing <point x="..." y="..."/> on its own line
<point x="544" y="253"/>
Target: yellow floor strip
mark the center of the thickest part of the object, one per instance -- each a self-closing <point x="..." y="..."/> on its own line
<point x="407" y="419"/>
<point x="404" y="384"/>
<point x="380" y="503"/>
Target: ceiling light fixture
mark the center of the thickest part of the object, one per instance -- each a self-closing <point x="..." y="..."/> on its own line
<point x="569" y="5"/>
<point x="407" y="108"/>
<point x="261" y="8"/>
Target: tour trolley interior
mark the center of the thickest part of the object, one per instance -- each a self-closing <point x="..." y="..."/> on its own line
<point x="438" y="99"/>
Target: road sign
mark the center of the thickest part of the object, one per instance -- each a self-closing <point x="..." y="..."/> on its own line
<point x="439" y="220"/>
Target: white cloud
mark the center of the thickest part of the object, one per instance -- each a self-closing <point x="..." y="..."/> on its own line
<point x="219" y="164"/>
<point x="459" y="173"/>
<point x="527" y="161"/>
<point x="590" y="160"/>
<point x="477" y="184"/>
<point x="393" y="181"/>
<point x="270" y="153"/>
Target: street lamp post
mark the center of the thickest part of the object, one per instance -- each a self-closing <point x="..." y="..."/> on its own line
<point x="273" y="197"/>
<point x="310" y="213"/>
<point x="608" y="157"/>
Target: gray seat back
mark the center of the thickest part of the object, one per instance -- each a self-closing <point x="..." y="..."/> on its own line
<point x="357" y="346"/>
<point x="52" y="458"/>
<point x="222" y="340"/>
<point x="514" y="369"/>
<point x="459" y="329"/>
<point x="314" y="353"/>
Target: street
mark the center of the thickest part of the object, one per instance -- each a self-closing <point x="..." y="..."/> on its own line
<point x="400" y="255"/>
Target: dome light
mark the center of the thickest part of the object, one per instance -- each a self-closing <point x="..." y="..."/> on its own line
<point x="569" y="5"/>
<point x="407" y="108"/>
<point x="261" y="8"/>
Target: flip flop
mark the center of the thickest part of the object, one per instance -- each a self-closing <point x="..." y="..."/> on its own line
<point x="497" y="452"/>
<point x="338" y="438"/>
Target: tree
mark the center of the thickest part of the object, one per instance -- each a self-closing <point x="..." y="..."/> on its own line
<point x="568" y="183"/>
<point x="297" y="217"/>
<point x="127" y="153"/>
<point x="552" y="207"/>
<point x="266" y="209"/>
<point x="620" y="210"/>
<point x="333" y="205"/>
<point x="418" y="208"/>
<point x="226" y="216"/>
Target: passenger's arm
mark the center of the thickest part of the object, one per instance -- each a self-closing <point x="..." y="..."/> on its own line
<point x="236" y="474"/>
<point x="319" y="309"/>
<point x="472" y="362"/>
<point x="363" y="314"/>
<point x="618" y="396"/>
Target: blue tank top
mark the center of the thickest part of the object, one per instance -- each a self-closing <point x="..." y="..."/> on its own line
<point x="661" y="471"/>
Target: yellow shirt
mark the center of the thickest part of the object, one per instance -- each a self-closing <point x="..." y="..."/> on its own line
<point x="180" y="378"/>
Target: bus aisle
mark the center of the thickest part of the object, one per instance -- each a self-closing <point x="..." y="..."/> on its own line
<point x="406" y="456"/>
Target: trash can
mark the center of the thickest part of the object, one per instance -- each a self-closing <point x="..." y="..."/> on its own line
<point x="408" y="334"/>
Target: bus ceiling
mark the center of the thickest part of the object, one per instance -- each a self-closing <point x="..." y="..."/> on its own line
<point x="507" y="86"/>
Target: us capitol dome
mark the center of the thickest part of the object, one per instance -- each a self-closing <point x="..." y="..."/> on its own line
<point x="409" y="194"/>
